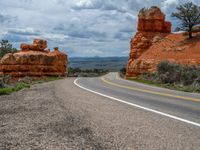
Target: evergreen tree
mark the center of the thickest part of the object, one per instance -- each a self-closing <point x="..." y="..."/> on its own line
<point x="6" y="47"/>
<point x="189" y="15"/>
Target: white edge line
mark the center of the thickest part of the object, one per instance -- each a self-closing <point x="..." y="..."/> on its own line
<point x="138" y="106"/>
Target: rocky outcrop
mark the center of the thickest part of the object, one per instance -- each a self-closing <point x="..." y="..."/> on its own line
<point x="38" y="45"/>
<point x="153" y="20"/>
<point x="152" y="27"/>
<point x="34" y="60"/>
<point x="154" y="43"/>
<point x="139" y="45"/>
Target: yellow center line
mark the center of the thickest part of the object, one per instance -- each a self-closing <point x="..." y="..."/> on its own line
<point x="149" y="91"/>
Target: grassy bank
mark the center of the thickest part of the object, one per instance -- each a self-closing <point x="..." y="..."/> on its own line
<point x="168" y="86"/>
<point x="8" y="90"/>
<point x="25" y="83"/>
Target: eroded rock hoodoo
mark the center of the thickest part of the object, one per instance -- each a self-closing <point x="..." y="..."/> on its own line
<point x="153" y="20"/>
<point x="152" y="27"/>
<point x="34" y="60"/>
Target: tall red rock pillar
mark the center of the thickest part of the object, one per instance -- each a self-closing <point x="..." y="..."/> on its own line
<point x="151" y="25"/>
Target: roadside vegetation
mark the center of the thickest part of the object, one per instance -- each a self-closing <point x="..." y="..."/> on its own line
<point x="122" y="72"/>
<point x="7" y="86"/>
<point x="77" y="72"/>
<point x="173" y="76"/>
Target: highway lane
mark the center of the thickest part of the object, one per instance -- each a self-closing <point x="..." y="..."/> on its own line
<point x="183" y="105"/>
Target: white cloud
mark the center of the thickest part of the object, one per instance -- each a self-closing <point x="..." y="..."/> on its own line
<point x="91" y="4"/>
<point x="24" y="31"/>
<point x="55" y="37"/>
<point x="168" y="3"/>
<point x="80" y="27"/>
<point x="93" y="52"/>
<point x="86" y="4"/>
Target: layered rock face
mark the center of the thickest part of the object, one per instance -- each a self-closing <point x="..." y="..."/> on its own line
<point x="154" y="43"/>
<point x="152" y="27"/>
<point x="153" y="20"/>
<point x="34" y="60"/>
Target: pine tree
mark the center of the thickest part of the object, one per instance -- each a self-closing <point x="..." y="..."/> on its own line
<point x="189" y="15"/>
<point x="6" y="47"/>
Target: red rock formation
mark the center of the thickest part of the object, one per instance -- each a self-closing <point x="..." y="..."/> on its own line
<point x="139" y="45"/>
<point x="38" y="45"/>
<point x="153" y="20"/>
<point x="153" y="43"/>
<point x="34" y="60"/>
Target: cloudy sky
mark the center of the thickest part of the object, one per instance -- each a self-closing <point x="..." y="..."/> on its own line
<point x="79" y="27"/>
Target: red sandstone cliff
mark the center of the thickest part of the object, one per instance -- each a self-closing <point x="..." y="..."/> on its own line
<point x="154" y="43"/>
<point x="34" y="60"/>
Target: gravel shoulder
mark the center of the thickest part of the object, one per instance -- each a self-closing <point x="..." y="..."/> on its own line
<point x="60" y="116"/>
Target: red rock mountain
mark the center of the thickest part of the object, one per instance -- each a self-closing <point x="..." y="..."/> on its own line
<point x="154" y="43"/>
<point x="34" y="60"/>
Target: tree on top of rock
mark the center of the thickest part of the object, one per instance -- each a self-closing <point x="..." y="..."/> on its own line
<point x="189" y="15"/>
<point x="6" y="47"/>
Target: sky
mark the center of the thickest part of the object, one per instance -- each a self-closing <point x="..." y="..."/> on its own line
<point x="80" y="28"/>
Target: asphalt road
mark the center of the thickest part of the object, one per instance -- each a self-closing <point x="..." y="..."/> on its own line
<point x="181" y="106"/>
<point x="61" y="116"/>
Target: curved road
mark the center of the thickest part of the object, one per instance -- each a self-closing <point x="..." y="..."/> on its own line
<point x="181" y="106"/>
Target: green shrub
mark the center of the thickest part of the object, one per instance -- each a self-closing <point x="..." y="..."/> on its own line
<point x="168" y="72"/>
<point x="23" y="83"/>
<point x="122" y="72"/>
<point x="6" y="47"/>
<point x="186" y="78"/>
<point x="175" y="73"/>
<point x="21" y="86"/>
<point x="4" y="91"/>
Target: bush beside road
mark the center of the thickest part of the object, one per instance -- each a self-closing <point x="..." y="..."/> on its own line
<point x="172" y="76"/>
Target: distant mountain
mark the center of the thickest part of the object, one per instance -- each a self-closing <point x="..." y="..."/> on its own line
<point x="106" y="63"/>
